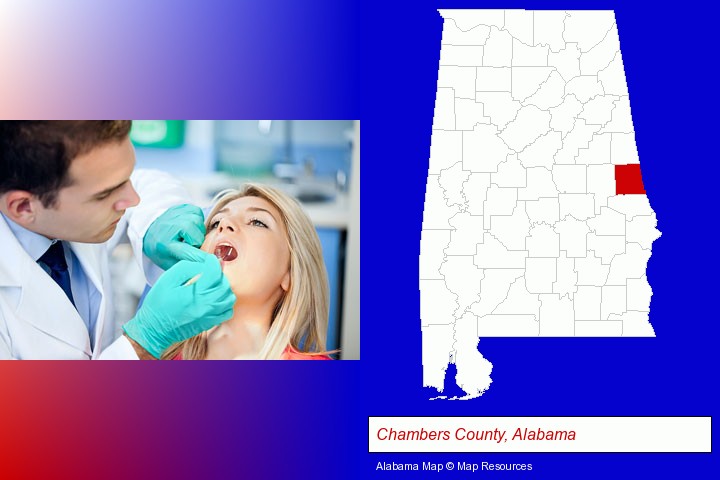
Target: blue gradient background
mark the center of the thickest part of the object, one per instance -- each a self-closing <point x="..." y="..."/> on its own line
<point x="178" y="59"/>
<point x="376" y="61"/>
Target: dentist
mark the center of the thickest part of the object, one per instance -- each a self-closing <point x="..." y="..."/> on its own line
<point x="68" y="196"/>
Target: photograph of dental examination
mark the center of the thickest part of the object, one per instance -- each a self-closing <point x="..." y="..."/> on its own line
<point x="180" y="240"/>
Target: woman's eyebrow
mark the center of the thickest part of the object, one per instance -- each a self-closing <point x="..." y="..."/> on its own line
<point x="258" y="209"/>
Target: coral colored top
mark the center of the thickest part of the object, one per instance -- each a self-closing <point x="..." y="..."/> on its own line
<point x="289" y="354"/>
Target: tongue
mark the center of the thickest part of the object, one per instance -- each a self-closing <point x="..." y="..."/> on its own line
<point x="226" y="253"/>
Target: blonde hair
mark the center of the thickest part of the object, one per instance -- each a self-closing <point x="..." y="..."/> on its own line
<point x="301" y="315"/>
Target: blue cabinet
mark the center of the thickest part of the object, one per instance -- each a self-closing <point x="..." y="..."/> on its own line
<point x="332" y="243"/>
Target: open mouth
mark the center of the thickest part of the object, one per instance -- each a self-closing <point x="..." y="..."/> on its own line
<point x="225" y="252"/>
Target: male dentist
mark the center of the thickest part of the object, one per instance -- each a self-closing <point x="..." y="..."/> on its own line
<point x="68" y="196"/>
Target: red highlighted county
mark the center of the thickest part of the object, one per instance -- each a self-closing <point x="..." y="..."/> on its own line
<point x="628" y="180"/>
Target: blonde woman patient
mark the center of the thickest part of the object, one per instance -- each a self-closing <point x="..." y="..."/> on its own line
<point x="271" y="256"/>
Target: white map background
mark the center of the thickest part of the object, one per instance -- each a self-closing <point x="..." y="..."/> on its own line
<point x="523" y="233"/>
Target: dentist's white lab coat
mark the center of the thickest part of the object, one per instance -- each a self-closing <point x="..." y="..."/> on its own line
<point x="37" y="320"/>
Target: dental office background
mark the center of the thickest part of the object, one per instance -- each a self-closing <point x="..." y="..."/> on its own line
<point x="315" y="161"/>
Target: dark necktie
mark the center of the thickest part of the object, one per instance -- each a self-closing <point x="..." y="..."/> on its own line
<point x="54" y="258"/>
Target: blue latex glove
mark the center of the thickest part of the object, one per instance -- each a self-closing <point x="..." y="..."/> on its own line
<point x="173" y="312"/>
<point x="175" y="235"/>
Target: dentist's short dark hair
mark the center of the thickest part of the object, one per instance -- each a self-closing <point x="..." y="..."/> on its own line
<point x="35" y="155"/>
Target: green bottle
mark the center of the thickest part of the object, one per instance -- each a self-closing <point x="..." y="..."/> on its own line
<point x="158" y="133"/>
